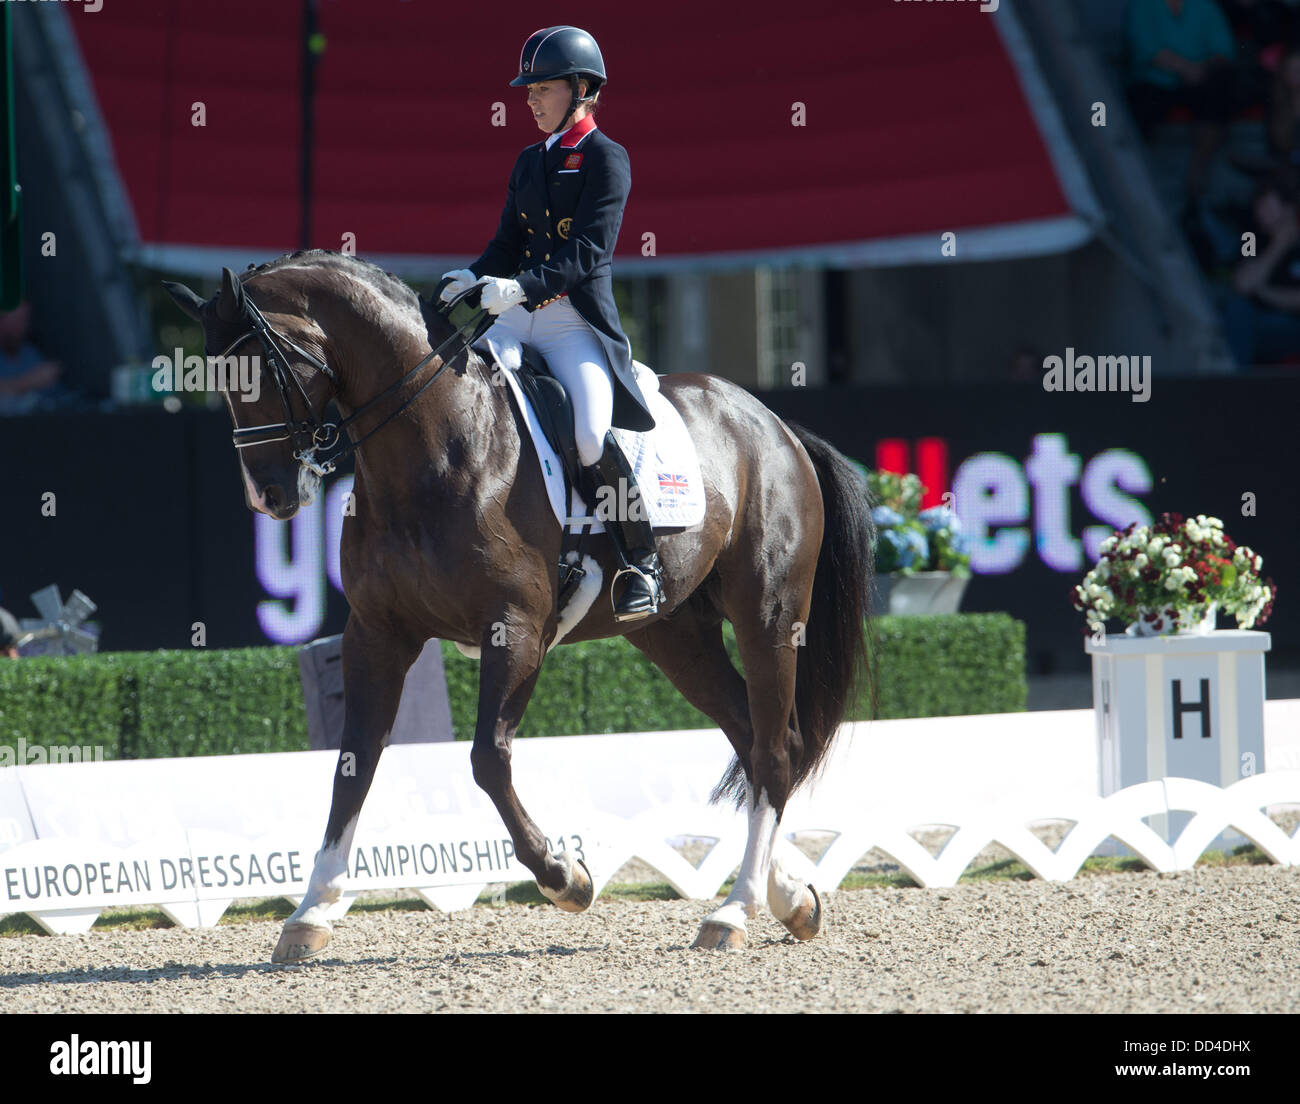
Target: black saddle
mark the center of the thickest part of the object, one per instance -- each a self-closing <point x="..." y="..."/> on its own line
<point x="554" y="410"/>
<point x="544" y="392"/>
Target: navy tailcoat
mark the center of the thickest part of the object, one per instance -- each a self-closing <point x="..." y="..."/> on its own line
<point x="563" y="210"/>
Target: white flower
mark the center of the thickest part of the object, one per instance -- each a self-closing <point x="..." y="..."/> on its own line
<point x="1259" y="563"/>
<point x="1170" y="558"/>
<point x="1140" y="560"/>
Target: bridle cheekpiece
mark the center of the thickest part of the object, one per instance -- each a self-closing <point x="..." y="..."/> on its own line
<point x="311" y="435"/>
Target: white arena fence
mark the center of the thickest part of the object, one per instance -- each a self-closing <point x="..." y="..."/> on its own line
<point x="190" y="836"/>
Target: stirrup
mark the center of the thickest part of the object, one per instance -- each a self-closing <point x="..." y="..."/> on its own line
<point x="653" y="584"/>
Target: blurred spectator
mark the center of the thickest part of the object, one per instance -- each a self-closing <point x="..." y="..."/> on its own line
<point x="9" y="635"/>
<point x="25" y="375"/>
<point x="1262" y="317"/>
<point x="1181" y="54"/>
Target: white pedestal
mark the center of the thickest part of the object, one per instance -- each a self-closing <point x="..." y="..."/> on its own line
<point x="1189" y="706"/>
<point x="925" y="592"/>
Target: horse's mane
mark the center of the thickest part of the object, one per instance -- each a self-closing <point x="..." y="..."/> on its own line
<point x="384" y="282"/>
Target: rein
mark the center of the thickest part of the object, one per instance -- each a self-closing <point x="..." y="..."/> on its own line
<point x="310" y="434"/>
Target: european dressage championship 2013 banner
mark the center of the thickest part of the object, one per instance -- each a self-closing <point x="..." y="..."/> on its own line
<point x="191" y="836"/>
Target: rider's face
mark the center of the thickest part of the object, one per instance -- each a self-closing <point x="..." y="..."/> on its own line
<point x="549" y="100"/>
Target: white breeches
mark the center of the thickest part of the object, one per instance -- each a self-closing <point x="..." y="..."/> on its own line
<point x="577" y="359"/>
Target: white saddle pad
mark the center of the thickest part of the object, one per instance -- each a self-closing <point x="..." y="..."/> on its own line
<point x="664" y="461"/>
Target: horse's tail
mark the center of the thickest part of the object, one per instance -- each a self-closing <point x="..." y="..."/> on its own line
<point x="832" y="663"/>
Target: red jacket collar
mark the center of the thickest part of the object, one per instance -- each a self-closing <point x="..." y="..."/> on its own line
<point x="578" y="131"/>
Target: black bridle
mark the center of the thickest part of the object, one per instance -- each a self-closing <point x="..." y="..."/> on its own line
<point x="309" y="435"/>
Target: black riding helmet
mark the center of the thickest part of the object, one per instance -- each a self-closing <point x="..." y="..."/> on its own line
<point x="555" y="52"/>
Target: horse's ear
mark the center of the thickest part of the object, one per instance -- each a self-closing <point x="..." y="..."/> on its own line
<point x="230" y="300"/>
<point x="186" y="299"/>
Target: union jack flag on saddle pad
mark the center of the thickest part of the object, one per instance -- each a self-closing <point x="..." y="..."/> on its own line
<point x="674" y="484"/>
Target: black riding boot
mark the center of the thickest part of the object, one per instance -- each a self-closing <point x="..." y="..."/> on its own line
<point x="633" y="537"/>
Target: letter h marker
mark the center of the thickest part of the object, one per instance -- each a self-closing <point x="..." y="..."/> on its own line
<point x="1180" y="707"/>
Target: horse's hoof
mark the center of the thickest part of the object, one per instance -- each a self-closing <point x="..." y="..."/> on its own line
<point x="806" y="920"/>
<point x="300" y="941"/>
<point x="719" y="937"/>
<point x="578" y="893"/>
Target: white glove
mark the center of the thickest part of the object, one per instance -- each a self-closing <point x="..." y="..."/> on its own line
<point x="461" y="278"/>
<point x="500" y="295"/>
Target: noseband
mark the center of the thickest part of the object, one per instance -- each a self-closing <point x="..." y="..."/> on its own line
<point x="309" y="435"/>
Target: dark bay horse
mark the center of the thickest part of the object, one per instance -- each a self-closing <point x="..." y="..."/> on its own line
<point x="453" y="537"/>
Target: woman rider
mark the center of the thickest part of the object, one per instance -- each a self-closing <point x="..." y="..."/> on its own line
<point x="546" y="276"/>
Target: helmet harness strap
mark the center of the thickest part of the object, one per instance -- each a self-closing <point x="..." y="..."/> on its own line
<point x="574" y="100"/>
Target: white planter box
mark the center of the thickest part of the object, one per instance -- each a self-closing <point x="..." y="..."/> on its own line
<point x="924" y="592"/>
<point x="1186" y="706"/>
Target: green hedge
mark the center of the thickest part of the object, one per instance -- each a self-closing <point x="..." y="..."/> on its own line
<point x="150" y="705"/>
<point x="138" y="705"/>
<point x="948" y="665"/>
<point x="217" y="703"/>
<point x="52" y="701"/>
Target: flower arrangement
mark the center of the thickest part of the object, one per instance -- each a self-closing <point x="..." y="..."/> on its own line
<point x="909" y="539"/>
<point x="1173" y="573"/>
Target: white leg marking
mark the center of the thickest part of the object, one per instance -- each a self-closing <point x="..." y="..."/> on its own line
<point x="325" y="886"/>
<point x="555" y="894"/>
<point x="788" y="882"/>
<point x="748" y="892"/>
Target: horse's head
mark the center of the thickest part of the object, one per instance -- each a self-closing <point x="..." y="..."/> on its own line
<point x="279" y="419"/>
